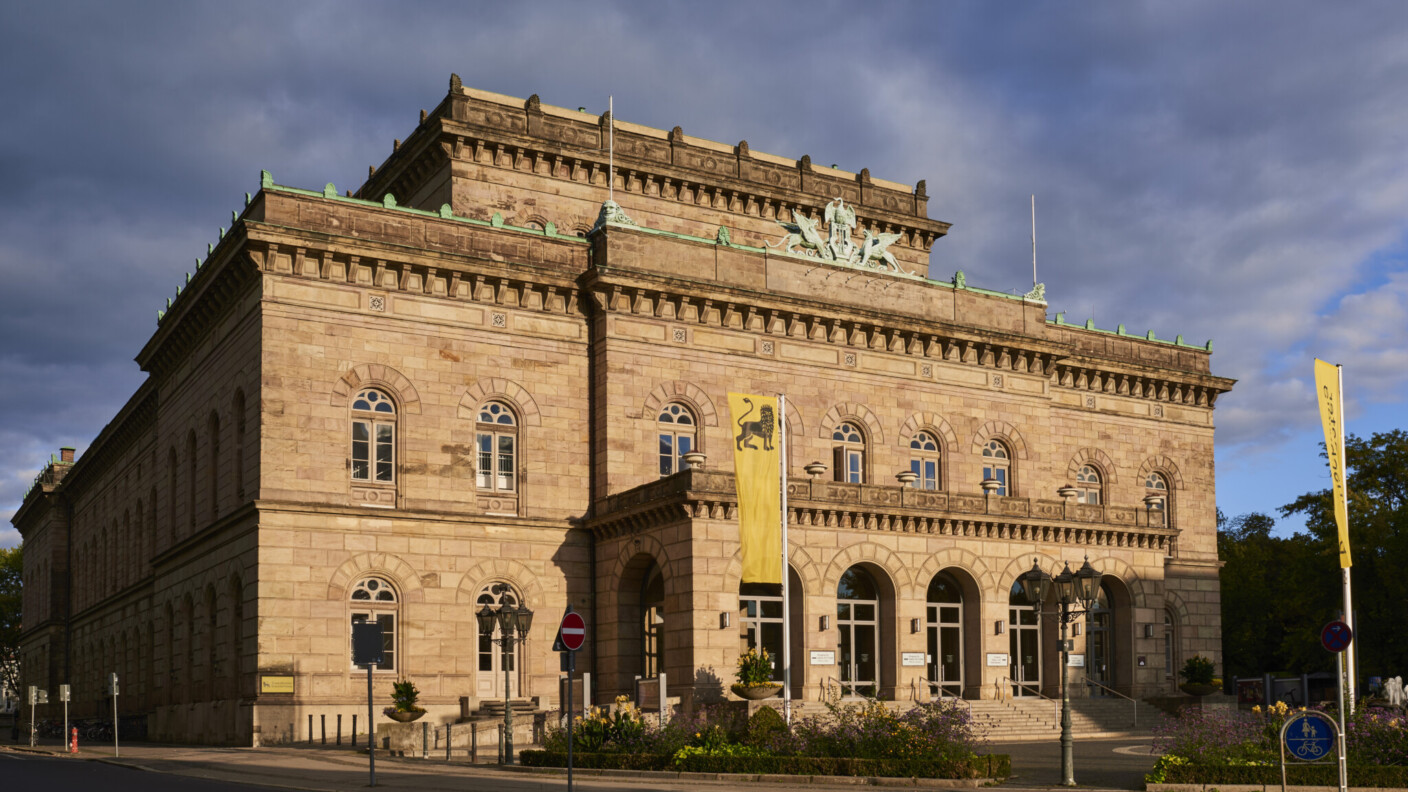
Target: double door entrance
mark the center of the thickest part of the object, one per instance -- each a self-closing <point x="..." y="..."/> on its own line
<point x="1024" y="649"/>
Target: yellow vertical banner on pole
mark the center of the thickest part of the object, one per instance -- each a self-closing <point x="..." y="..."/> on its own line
<point x="756" y="468"/>
<point x="1327" y="388"/>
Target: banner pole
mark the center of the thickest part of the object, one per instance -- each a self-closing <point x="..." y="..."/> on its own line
<point x="786" y="570"/>
<point x="1351" y="659"/>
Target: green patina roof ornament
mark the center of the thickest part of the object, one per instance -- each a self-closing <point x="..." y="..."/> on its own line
<point x="389" y="201"/>
<point x="550" y="228"/>
<point x="1209" y="347"/>
<point x="330" y="190"/>
<point x="266" y="180"/>
<point x="234" y="217"/>
<point x="445" y="211"/>
<point x="188" y="279"/>
<point x="1150" y="336"/>
<point x="1179" y="339"/>
<point x="960" y="280"/>
<point x="497" y="221"/>
<point x="1037" y="294"/>
<point x="1090" y="324"/>
<point x="222" y="232"/>
<point x="168" y="303"/>
<point x="209" y="248"/>
<point x="722" y="237"/>
<point x="197" y="264"/>
<point x="159" y="314"/>
<point x="1120" y="330"/>
<point x="1060" y="317"/>
<point x="246" y="199"/>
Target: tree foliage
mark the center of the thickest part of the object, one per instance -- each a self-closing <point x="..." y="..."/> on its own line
<point x="11" y="576"/>
<point x="1278" y="592"/>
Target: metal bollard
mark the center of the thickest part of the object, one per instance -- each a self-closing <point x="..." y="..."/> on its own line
<point x="473" y="744"/>
<point x="339" y="729"/>
<point x="425" y="739"/>
<point x="354" y="730"/>
<point x="323" y="719"/>
<point x="310" y="728"/>
<point x="501" y="743"/>
<point x="447" y="741"/>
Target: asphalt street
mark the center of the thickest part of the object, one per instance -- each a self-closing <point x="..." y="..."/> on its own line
<point x="30" y="772"/>
<point x="1109" y="764"/>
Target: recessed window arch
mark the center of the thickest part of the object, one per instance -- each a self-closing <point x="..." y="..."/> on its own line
<point x="678" y="435"/>
<point x="849" y="452"/>
<point x="496" y="443"/>
<point x="1170" y="645"/>
<point x="191" y="478"/>
<point x="214" y="472"/>
<point x="1089" y="485"/>
<point x="652" y="612"/>
<point x="497" y="657"/>
<point x="374" y="599"/>
<point x="373" y="437"/>
<point x="924" y="460"/>
<point x="997" y="466"/>
<point x="239" y="410"/>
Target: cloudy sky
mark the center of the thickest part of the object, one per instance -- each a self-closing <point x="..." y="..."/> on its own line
<point x="1226" y="171"/>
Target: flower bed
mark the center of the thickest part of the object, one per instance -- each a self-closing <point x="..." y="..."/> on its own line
<point x="1231" y="747"/>
<point x="935" y="740"/>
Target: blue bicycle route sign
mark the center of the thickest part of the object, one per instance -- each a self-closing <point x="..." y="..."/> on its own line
<point x="1309" y="736"/>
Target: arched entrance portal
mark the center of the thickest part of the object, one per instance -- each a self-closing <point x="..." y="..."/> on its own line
<point x="945" y="637"/>
<point x="858" y="618"/>
<point x="1110" y="639"/>
<point x="494" y="656"/>
<point x="1023" y="642"/>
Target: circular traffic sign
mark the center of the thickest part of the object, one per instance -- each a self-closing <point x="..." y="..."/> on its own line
<point x="1309" y="736"/>
<point x="573" y="631"/>
<point x="1335" y="637"/>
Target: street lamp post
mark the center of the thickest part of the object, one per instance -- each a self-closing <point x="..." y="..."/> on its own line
<point x="1081" y="587"/>
<point x="514" y="624"/>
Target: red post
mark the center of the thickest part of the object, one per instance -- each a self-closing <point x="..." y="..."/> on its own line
<point x="73" y="740"/>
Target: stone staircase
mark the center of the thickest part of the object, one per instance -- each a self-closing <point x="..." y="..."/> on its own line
<point x="494" y="709"/>
<point x="1023" y="718"/>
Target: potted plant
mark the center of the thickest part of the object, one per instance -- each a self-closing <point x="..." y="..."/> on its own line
<point x="1197" y="677"/>
<point x="755" y="676"/>
<point x="403" y="699"/>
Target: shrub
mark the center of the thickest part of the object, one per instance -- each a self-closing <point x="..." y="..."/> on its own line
<point x="1212" y="736"/>
<point x="754" y="668"/>
<point x="740" y="760"/>
<point x="404" y="696"/>
<point x="765" y="727"/>
<point x="1197" y="671"/>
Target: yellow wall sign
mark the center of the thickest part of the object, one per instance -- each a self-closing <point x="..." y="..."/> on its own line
<point x="276" y="684"/>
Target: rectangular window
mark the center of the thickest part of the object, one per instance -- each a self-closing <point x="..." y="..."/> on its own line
<point x="854" y="472"/>
<point x="999" y="475"/>
<point x="361" y="451"/>
<point x="484" y="471"/>
<point x="762" y="626"/>
<point x="385" y="435"/>
<point x="667" y="454"/>
<point x="505" y="463"/>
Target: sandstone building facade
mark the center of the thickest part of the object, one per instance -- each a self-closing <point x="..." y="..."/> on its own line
<point x="474" y="372"/>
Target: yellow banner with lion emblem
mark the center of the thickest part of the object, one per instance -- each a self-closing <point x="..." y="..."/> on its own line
<point x="757" y="475"/>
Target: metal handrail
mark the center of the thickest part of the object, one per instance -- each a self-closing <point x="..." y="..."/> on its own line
<point x="1055" y="703"/>
<point x="1131" y="699"/>
<point x="936" y="687"/>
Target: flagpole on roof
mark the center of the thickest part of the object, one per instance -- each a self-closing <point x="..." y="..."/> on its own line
<point x="786" y="570"/>
<point x="611" y="149"/>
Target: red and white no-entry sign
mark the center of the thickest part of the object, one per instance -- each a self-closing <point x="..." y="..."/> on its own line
<point x="573" y="631"/>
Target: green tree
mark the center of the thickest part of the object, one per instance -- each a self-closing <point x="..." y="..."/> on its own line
<point x="11" y="591"/>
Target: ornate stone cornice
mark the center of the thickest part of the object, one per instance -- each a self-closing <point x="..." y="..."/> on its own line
<point x="709" y="495"/>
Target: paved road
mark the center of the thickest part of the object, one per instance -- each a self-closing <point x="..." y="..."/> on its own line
<point x="1110" y="764"/>
<point x="30" y="772"/>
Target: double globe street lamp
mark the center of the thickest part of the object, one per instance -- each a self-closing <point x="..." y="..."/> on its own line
<point x="514" y="624"/>
<point x="1081" y="587"/>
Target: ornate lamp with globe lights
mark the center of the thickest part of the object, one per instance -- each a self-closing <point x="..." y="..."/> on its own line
<point x="1080" y="587"/>
<point x="514" y="624"/>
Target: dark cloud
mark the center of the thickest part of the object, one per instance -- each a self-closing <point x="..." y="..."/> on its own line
<point x="1215" y="170"/>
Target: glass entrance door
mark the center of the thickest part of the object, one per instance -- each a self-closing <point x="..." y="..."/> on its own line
<point x="760" y="606"/>
<point x="1101" y="644"/>
<point x="1024" y="643"/>
<point x="857" y="617"/>
<point x="945" y="627"/>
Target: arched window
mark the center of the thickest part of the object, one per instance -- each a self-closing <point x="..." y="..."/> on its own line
<point x="191" y="478"/>
<point x="924" y="461"/>
<point x="858" y="618"/>
<point x="652" y="609"/>
<point x="171" y="497"/>
<point x="239" y="444"/>
<point x="677" y="437"/>
<point x="1170" y="646"/>
<point x="1088" y="486"/>
<point x="373" y="437"/>
<point x="997" y="466"/>
<point x="496" y="438"/>
<point x="214" y="466"/>
<point x="234" y="650"/>
<point x="212" y="660"/>
<point x="1023" y="642"/>
<point x="374" y="599"/>
<point x="1156" y="493"/>
<point x="945" y="634"/>
<point x="849" y="453"/>
<point x="496" y="658"/>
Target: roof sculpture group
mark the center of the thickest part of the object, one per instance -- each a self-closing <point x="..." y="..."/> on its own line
<point x="804" y="237"/>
